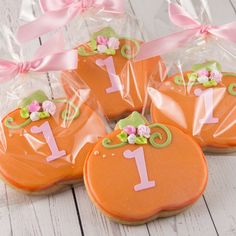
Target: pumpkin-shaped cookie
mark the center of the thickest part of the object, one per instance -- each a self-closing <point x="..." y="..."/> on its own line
<point x="106" y="64"/>
<point x="202" y="103"/>
<point x="144" y="171"/>
<point x="44" y="143"/>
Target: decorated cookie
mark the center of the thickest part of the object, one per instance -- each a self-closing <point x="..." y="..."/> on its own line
<point x="106" y="65"/>
<point x="144" y="171"/>
<point x="202" y="103"/>
<point x="44" y="143"/>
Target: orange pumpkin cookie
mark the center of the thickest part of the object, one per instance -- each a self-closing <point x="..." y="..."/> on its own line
<point x="106" y="65"/>
<point x="202" y="103"/>
<point x="44" y="143"/>
<point x="141" y="172"/>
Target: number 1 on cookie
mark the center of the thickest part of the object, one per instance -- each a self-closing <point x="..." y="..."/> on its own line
<point x="114" y="78"/>
<point x="138" y="155"/>
<point x="48" y="135"/>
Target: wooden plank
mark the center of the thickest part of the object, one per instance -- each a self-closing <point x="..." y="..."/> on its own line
<point x="194" y="221"/>
<point x="155" y="22"/>
<point x="95" y="223"/>
<point x="221" y="193"/>
<point x="52" y="215"/>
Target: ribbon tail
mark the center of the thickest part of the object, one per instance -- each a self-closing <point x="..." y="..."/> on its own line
<point x="8" y="70"/>
<point x="114" y="6"/>
<point x="50" y="21"/>
<point x="165" y="44"/>
<point x="226" y="31"/>
<point x="57" y="62"/>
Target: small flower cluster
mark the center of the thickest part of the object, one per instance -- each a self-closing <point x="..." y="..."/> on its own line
<point x="208" y="78"/>
<point x="36" y="111"/>
<point x="133" y="135"/>
<point x="106" y="45"/>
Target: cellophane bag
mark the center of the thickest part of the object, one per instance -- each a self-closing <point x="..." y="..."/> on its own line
<point x="107" y="43"/>
<point x="198" y="93"/>
<point x="45" y="133"/>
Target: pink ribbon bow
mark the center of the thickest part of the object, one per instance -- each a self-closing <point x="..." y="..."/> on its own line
<point x="192" y="28"/>
<point x="49" y="57"/>
<point x="57" y="13"/>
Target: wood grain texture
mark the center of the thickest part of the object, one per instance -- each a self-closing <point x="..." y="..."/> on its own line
<point x="69" y="214"/>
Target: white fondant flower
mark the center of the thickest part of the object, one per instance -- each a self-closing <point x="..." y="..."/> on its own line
<point x="144" y="131"/>
<point x="113" y="43"/>
<point x="131" y="139"/>
<point x="202" y="79"/>
<point x="34" y="116"/>
<point x="49" y="107"/>
<point x="101" y="48"/>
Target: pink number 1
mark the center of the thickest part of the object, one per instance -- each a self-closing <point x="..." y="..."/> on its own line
<point x="114" y="78"/>
<point x="208" y="102"/>
<point x="48" y="135"/>
<point x="138" y="154"/>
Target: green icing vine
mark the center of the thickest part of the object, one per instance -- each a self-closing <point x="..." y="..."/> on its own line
<point x="231" y="89"/>
<point x="33" y="110"/>
<point x="136" y="132"/>
<point x="156" y="135"/>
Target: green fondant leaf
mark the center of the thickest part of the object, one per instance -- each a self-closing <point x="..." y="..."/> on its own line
<point x="110" y="51"/>
<point x="210" y="83"/>
<point x="123" y="137"/>
<point x="24" y="113"/>
<point x="44" y="115"/>
<point x="135" y="119"/>
<point x="38" y="96"/>
<point x="107" y="32"/>
<point x="93" y="45"/>
<point x="208" y="65"/>
<point x="140" y="140"/>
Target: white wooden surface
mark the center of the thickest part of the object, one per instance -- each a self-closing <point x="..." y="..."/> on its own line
<point x="71" y="212"/>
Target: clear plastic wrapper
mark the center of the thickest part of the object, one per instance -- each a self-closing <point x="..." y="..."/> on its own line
<point x="45" y="134"/>
<point x="107" y="43"/>
<point x="198" y="93"/>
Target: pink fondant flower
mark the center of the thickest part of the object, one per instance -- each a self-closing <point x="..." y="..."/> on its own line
<point x="129" y="129"/>
<point x="113" y="43"/>
<point x="131" y="139"/>
<point x="203" y="72"/>
<point x="34" y="107"/>
<point x="102" y="40"/>
<point x="49" y="107"/>
<point x="216" y="75"/>
<point x="144" y="131"/>
<point x="101" y="48"/>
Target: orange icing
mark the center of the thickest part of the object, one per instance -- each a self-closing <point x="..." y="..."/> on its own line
<point x="23" y="154"/>
<point x="134" y="77"/>
<point x="179" y="171"/>
<point x="177" y="105"/>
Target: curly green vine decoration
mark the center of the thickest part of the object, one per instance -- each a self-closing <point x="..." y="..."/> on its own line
<point x="156" y="135"/>
<point x="232" y="89"/>
<point x="65" y="115"/>
<point x="128" y="48"/>
<point x="107" y="143"/>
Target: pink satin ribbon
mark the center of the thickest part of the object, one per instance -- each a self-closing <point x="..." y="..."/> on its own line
<point x="49" y="57"/>
<point x="192" y="28"/>
<point x="57" y="13"/>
